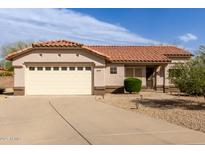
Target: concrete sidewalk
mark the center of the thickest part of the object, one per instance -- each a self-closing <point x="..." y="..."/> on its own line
<point x="83" y="120"/>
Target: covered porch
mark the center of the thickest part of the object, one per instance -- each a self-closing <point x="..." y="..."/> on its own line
<point x="153" y="76"/>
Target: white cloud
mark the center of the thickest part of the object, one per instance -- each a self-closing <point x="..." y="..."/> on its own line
<point x="188" y="37"/>
<point x="46" y="24"/>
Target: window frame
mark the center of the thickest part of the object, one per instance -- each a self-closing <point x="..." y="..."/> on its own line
<point x="62" y="68"/>
<point x="79" y="68"/>
<point x="47" y="69"/>
<point x="56" y="68"/>
<point x="134" y="72"/>
<point x="113" y="69"/>
<point x="72" y="69"/>
<point x="34" y="68"/>
<point x="39" y="69"/>
<point x="88" y="68"/>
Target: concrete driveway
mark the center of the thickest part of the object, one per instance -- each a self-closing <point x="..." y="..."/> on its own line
<point x="83" y="120"/>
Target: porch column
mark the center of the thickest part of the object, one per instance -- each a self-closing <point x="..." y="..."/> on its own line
<point x="160" y="78"/>
<point x="155" y="77"/>
<point x="164" y="79"/>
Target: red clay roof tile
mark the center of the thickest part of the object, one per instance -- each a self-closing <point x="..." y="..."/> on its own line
<point x="117" y="53"/>
<point x="141" y="53"/>
<point x="57" y="43"/>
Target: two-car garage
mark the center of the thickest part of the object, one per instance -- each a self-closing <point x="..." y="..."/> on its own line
<point x="58" y="80"/>
<point x="58" y="67"/>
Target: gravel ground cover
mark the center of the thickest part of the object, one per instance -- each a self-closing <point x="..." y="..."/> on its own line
<point x="185" y="111"/>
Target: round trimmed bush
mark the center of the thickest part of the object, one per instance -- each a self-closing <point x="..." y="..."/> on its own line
<point x="132" y="85"/>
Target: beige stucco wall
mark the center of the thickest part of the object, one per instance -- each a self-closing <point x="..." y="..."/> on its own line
<point x="99" y="77"/>
<point x="66" y="56"/>
<point x="179" y="59"/>
<point x="103" y="76"/>
<point x="114" y="79"/>
<point x="19" y="77"/>
<point x="160" y="75"/>
<point x="52" y="56"/>
<point x="118" y="79"/>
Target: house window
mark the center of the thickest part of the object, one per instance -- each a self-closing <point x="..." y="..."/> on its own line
<point x="133" y="72"/>
<point x="129" y="72"/>
<point x="40" y="68"/>
<point x="87" y="68"/>
<point x="48" y="68"/>
<point x="80" y="68"/>
<point x="64" y="68"/>
<point x="113" y="70"/>
<point x="72" y="68"/>
<point x="138" y="72"/>
<point x="31" y="68"/>
<point x="55" y="68"/>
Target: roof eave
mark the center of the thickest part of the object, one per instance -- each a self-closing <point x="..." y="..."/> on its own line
<point x="13" y="55"/>
<point x="96" y="52"/>
<point x="140" y="62"/>
<point x="179" y="55"/>
<point x="20" y="52"/>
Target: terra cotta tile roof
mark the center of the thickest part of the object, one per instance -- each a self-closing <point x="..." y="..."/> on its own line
<point x="57" y="43"/>
<point x="141" y="53"/>
<point x="117" y="53"/>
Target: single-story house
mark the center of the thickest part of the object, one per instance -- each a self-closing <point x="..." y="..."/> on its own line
<point x="62" y="67"/>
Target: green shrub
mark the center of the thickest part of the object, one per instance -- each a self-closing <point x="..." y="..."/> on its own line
<point x="6" y="73"/>
<point x="132" y="85"/>
<point x="192" y="78"/>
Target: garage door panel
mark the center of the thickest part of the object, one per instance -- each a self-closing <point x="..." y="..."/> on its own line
<point x="58" y="82"/>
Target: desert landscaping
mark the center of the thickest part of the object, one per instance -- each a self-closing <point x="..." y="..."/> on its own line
<point x="181" y="110"/>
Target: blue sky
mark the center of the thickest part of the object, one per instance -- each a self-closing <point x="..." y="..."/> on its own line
<point x="183" y="27"/>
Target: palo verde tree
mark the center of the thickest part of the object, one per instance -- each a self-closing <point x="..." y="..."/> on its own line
<point x="190" y="77"/>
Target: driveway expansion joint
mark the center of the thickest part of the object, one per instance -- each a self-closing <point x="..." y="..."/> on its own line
<point x="75" y="129"/>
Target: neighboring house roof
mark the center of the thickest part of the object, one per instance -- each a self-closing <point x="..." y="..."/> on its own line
<point x="2" y="69"/>
<point x="117" y="53"/>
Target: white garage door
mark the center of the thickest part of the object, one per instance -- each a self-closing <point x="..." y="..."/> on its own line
<point x="58" y="80"/>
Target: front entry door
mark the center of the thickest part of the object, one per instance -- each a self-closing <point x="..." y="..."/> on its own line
<point x="150" y="77"/>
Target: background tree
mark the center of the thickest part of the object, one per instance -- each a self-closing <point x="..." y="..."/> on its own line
<point x="10" y="48"/>
<point x="190" y="77"/>
<point x="201" y="56"/>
